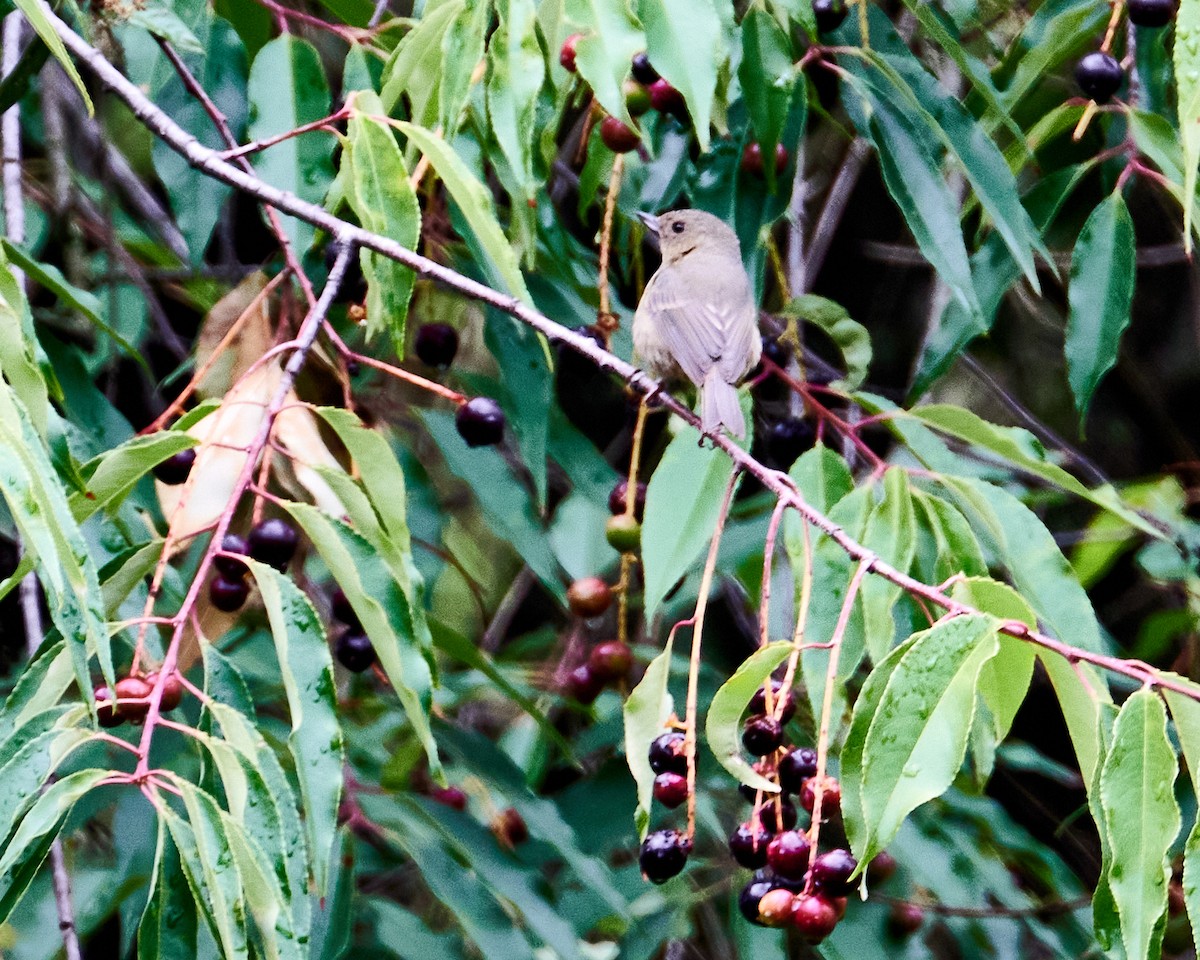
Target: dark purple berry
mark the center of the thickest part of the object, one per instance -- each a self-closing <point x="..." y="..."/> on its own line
<point x="618" y="137"/>
<point x="831" y="799"/>
<point x="642" y="71"/>
<point x="511" y="827"/>
<point x="667" y="753"/>
<point x="778" y="352"/>
<point x="670" y="789"/>
<point x="667" y="99"/>
<point x="228" y="595"/>
<point x="831" y="872"/>
<point x="796" y="767"/>
<point x="616" y="499"/>
<point x="749" y="846"/>
<point x="1099" y="75"/>
<point x="274" y="543"/>
<point x="1150" y="13"/>
<point x="343" y="610"/>
<point x="777" y="814"/>
<point x="882" y="868"/>
<point x="436" y="344"/>
<point x="584" y="685"/>
<point x="904" y="919"/>
<point x="748" y="900"/>
<point x="231" y="567"/>
<point x="758" y="703"/>
<point x="663" y="855"/>
<point x="610" y="661"/>
<point x="787" y="439"/>
<point x="829" y="14"/>
<point x="354" y="651"/>
<point x="480" y="422"/>
<point x="175" y="469"/>
<point x="762" y="735"/>
<point x="787" y="854"/>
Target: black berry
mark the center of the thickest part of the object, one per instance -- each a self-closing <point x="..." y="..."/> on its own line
<point x="882" y="868"/>
<point x="342" y="609"/>
<point x="610" y="661"/>
<point x="748" y="900"/>
<point x="228" y="595"/>
<point x="1099" y="75"/>
<point x="1150" y="13"/>
<point x="354" y="651"/>
<point x="480" y="422"/>
<point x="775" y="350"/>
<point x="748" y="845"/>
<point x="831" y="872"/>
<point x="616" y="499"/>
<point x="436" y="344"/>
<point x="642" y="71"/>
<point x="831" y="799"/>
<point x="904" y="920"/>
<point x="670" y="789"/>
<point x="667" y="753"/>
<point x="618" y="137"/>
<point x="758" y="703"/>
<point x="663" y="855"/>
<point x="787" y="854"/>
<point x="175" y="469"/>
<point x="584" y="685"/>
<point x="778" y="814"/>
<point x="829" y="14"/>
<point x="787" y="439"/>
<point x="274" y="543"/>
<point x="796" y="767"/>
<point x="762" y="735"/>
<point x="231" y="567"/>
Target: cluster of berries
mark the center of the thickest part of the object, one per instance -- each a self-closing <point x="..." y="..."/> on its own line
<point x="610" y="660"/>
<point x="272" y="542"/>
<point x="480" y="421"/>
<point x="1099" y="74"/>
<point x="130" y="698"/>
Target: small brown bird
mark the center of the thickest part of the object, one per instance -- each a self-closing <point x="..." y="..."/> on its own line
<point x="698" y="314"/>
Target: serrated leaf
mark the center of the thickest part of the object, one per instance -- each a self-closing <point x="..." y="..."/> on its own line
<point x="475" y="201"/>
<point x="683" y="500"/>
<point x="611" y="36"/>
<point x="1187" y="98"/>
<point x="462" y="50"/>
<point x="516" y="70"/>
<point x="1100" y="295"/>
<point x="723" y="723"/>
<point x="28" y="758"/>
<point x="19" y="349"/>
<point x="766" y="74"/>
<point x="958" y="550"/>
<point x="41" y="685"/>
<point x="286" y="90"/>
<point x="168" y="926"/>
<point x="918" y="734"/>
<point x="850" y="336"/>
<point x="823" y="478"/>
<point x="1081" y="692"/>
<point x="683" y="38"/>
<point x="112" y="475"/>
<point x="890" y="533"/>
<point x="1142" y="817"/>
<point x="315" y="740"/>
<point x="381" y="197"/>
<point x="647" y="709"/>
<point x="415" y="68"/>
<point x="46" y="814"/>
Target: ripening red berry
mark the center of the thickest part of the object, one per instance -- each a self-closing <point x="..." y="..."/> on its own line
<point x="831" y="872"/>
<point x="753" y="160"/>
<point x="670" y="789"/>
<point x="831" y="800"/>
<point x="814" y="917"/>
<point x="106" y="709"/>
<point x="787" y="854"/>
<point x="584" y="685"/>
<point x="904" y="919"/>
<point x="131" y="698"/>
<point x="667" y="99"/>
<point x="589" y="597"/>
<point x="452" y="797"/>
<point x="610" y="661"/>
<point x="510" y="827"/>
<point x="618" y="137"/>
<point x="172" y="692"/>
<point x="566" y="56"/>
<point x="775" y="907"/>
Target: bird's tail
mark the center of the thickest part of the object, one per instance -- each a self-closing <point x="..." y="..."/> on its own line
<point x="719" y="406"/>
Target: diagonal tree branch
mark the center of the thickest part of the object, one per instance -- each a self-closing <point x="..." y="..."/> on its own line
<point x="211" y="163"/>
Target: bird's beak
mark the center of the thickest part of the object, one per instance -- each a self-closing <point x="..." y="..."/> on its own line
<point x="650" y="220"/>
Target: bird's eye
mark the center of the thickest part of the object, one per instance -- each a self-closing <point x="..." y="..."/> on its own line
<point x="677" y="226"/>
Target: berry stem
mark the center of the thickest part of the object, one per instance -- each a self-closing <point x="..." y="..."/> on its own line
<point x="627" y="559"/>
<point x="606" y="321"/>
<point x="710" y="566"/>
<point x="1113" y="22"/>
<point x="445" y="392"/>
<point x="764" y="608"/>
<point x="827" y="706"/>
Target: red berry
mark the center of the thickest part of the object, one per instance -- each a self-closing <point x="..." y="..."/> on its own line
<point x="831" y="800"/>
<point x="610" y="661"/>
<point x="787" y="854"/>
<point x="616" y="499"/>
<point x="231" y="567"/>
<point x="670" y="789"/>
<point x="436" y="344"/>
<point x="774" y="812"/>
<point x="274" y="543"/>
<point x="106" y="711"/>
<point x="1099" y="75"/>
<point x="510" y="827"/>
<point x="752" y="159"/>
<point x="814" y="917"/>
<point x="355" y="651"/>
<point x="663" y="855"/>
<point x="131" y="698"/>
<point x="480" y="422"/>
<point x="748" y="846"/>
<point x="775" y="907"/>
<point x="450" y="796"/>
<point x="831" y="872"/>
<point x="566" y="56"/>
<point x="904" y="919"/>
<point x="667" y="99"/>
<point x="584" y="685"/>
<point x="881" y="869"/>
<point x="667" y="753"/>
<point x="172" y="692"/>
<point x="758" y="703"/>
<point x="796" y="767"/>
<point x="617" y="136"/>
<point x="589" y="597"/>
<point x="227" y="595"/>
<point x="175" y="469"/>
<point x="762" y="735"/>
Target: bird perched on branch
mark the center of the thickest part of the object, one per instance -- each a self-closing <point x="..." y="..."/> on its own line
<point x="698" y="315"/>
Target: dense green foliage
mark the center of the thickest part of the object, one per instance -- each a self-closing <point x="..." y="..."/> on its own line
<point x="990" y="629"/>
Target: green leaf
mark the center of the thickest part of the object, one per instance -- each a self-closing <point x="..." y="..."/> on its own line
<point x="381" y="608"/>
<point x="823" y="478"/>
<point x="1186" y="713"/>
<point x="315" y="741"/>
<point x="1082" y="692"/>
<point x="475" y="201"/>
<point x="168" y="927"/>
<point x="958" y="550"/>
<point x="1142" y="817"/>
<point x="416" y="68"/>
<point x="1187" y="98"/>
<point x="767" y="77"/>
<point x="35" y="13"/>
<point x="683" y="500"/>
<point x="162" y="21"/>
<point x="850" y="336"/>
<point x="384" y="202"/>
<point x="462" y="51"/>
<point x="647" y="709"/>
<point x="611" y="36"/>
<point x="1101" y="292"/>
<point x="683" y="38"/>
<point x="46" y="815"/>
<point x="112" y="475"/>
<point x="723" y="724"/>
<point x="41" y="685"/>
<point x="28" y="758"/>
<point x="516" y="70"/>
<point x="286" y="90"/>
<point x="19" y="349"/>
<point x="891" y="534"/>
<point x="528" y="378"/>
<point x="918" y="733"/>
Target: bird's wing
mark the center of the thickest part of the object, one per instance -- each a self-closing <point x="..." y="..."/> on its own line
<point x="702" y="324"/>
